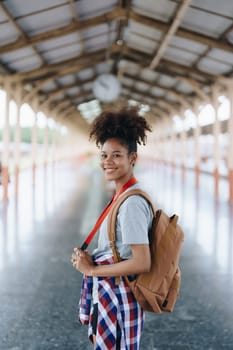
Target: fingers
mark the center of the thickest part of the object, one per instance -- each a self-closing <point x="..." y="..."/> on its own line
<point x="78" y="253"/>
<point x="74" y="257"/>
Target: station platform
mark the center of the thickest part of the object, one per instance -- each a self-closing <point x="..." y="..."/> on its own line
<point x="39" y="289"/>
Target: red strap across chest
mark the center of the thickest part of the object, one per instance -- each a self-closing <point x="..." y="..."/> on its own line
<point x="105" y="212"/>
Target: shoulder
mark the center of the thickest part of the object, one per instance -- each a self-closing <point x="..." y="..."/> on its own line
<point x="135" y="203"/>
<point x="136" y="211"/>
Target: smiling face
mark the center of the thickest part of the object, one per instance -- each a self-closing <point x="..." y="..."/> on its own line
<point x="116" y="162"/>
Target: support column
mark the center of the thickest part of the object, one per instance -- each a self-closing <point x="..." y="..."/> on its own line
<point x="166" y="158"/>
<point x="159" y="145"/>
<point x="53" y="146"/>
<point x="161" y="153"/>
<point x="59" y="143"/>
<point x="34" y="148"/>
<point x="197" y="133"/>
<point x="183" y="149"/>
<point x="230" y="144"/>
<point x="17" y="138"/>
<point x="173" y="147"/>
<point x="46" y="143"/>
<point x="216" y="133"/>
<point x="6" y="142"/>
<point x="168" y="138"/>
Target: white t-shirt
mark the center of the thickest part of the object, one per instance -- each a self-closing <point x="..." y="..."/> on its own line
<point x="133" y="222"/>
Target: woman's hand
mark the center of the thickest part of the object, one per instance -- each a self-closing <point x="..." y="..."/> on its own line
<point x="82" y="261"/>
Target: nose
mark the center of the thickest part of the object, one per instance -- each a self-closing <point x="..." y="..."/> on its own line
<point x="108" y="159"/>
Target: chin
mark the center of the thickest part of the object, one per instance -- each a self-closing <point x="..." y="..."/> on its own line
<point x="109" y="177"/>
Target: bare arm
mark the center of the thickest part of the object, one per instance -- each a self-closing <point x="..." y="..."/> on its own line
<point x="139" y="263"/>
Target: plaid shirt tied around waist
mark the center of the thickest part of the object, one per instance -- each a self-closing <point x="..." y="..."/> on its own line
<point x="117" y="309"/>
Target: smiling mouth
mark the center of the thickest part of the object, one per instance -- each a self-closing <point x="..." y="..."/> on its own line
<point x="109" y="170"/>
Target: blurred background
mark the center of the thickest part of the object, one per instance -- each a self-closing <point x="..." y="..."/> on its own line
<point x="63" y="62"/>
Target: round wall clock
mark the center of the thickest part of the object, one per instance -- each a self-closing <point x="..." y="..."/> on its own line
<point x="107" y="88"/>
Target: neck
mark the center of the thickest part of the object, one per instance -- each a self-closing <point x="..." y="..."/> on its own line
<point x="121" y="186"/>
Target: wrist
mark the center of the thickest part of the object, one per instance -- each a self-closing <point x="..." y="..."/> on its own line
<point x="92" y="271"/>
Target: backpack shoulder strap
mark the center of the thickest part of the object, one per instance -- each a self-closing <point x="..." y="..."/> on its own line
<point x="113" y="215"/>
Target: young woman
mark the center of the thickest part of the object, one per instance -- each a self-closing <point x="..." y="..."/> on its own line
<point x="115" y="318"/>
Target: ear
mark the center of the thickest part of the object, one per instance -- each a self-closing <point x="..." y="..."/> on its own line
<point x="133" y="157"/>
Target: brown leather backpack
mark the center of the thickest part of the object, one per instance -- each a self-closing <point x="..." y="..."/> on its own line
<point x="158" y="289"/>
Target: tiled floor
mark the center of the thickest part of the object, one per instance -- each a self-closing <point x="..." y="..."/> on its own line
<point x="39" y="289"/>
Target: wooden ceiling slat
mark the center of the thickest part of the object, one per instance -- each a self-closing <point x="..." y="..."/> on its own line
<point x="23" y="35"/>
<point x="72" y="27"/>
<point x="122" y="15"/>
<point x="145" y="58"/>
<point x="116" y="14"/>
<point x="183" y="33"/>
<point x="72" y="64"/>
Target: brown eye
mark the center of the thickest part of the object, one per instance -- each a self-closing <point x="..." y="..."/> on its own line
<point x="103" y="156"/>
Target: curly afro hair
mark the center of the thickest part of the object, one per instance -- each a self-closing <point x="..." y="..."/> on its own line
<point x="126" y="125"/>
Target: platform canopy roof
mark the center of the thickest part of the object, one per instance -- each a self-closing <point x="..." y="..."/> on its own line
<point x="166" y="53"/>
